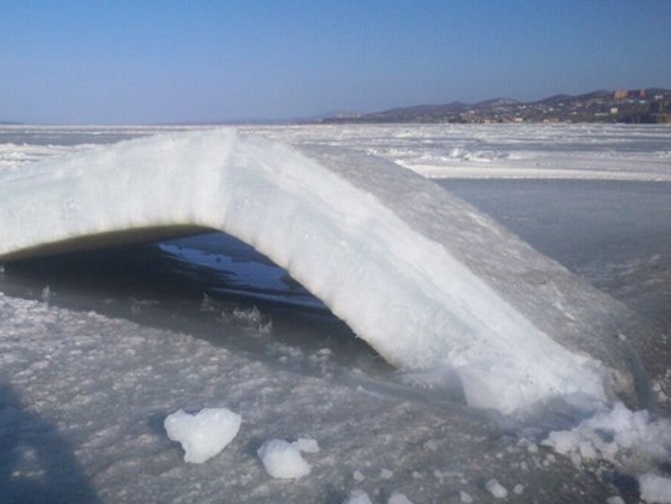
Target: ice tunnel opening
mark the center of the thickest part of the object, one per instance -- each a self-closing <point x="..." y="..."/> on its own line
<point x="204" y="282"/>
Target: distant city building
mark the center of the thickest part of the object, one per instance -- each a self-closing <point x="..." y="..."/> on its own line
<point x="620" y="94"/>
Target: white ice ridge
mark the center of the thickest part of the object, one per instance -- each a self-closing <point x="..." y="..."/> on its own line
<point x="424" y="278"/>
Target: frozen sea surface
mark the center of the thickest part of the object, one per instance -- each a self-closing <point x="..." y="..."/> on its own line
<point x="98" y="349"/>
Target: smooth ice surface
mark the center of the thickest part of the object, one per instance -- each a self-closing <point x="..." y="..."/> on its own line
<point x="283" y="459"/>
<point x="203" y="434"/>
<point x="421" y="292"/>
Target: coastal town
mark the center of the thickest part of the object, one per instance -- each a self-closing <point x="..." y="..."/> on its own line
<point x="619" y="106"/>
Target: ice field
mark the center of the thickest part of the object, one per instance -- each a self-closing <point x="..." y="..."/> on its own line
<point x="99" y="348"/>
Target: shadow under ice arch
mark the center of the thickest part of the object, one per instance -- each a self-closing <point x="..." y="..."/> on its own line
<point x="422" y="276"/>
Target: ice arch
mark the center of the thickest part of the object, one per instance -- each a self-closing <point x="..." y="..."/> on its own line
<point x="420" y="275"/>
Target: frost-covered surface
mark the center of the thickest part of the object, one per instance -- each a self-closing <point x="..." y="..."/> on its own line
<point x="84" y="394"/>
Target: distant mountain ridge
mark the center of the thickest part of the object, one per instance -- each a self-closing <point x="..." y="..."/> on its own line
<point x="651" y="105"/>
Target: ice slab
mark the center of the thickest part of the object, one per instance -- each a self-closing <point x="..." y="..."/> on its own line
<point x="423" y="277"/>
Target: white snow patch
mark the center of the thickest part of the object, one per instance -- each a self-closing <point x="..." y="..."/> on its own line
<point x="283" y="459"/>
<point x="204" y="434"/>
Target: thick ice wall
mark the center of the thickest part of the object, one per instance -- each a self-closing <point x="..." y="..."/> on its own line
<point x="556" y="301"/>
<point x="402" y="262"/>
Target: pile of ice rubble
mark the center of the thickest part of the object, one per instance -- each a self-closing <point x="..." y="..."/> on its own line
<point x="632" y="441"/>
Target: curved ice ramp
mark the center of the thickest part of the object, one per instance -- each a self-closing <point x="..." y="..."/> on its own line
<point x="420" y="275"/>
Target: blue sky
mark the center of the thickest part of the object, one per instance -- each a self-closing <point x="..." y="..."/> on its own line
<point x="148" y="61"/>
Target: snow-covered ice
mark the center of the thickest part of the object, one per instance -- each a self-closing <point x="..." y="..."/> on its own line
<point x="83" y="394"/>
<point x="203" y="434"/>
<point x="527" y="151"/>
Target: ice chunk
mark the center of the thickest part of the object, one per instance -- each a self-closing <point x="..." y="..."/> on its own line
<point x="204" y="434"/>
<point x="307" y="445"/>
<point x="358" y="476"/>
<point x="615" y="435"/>
<point x="465" y="497"/>
<point x="655" y="489"/>
<point x="358" y="497"/>
<point x="282" y="459"/>
<point x="496" y="489"/>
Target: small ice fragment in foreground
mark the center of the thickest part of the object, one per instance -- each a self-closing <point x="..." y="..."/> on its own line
<point x="282" y="459"/>
<point x="204" y="434"/>
<point x="307" y="445"/>
<point x="358" y="497"/>
<point x="465" y="498"/>
<point x="358" y="476"/>
<point x="496" y="489"/>
<point x="386" y="474"/>
<point x="518" y="489"/>
<point x="655" y="489"/>
<point x="616" y="499"/>
<point x="398" y="498"/>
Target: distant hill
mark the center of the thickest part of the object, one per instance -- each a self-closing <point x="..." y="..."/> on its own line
<point x="652" y="105"/>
